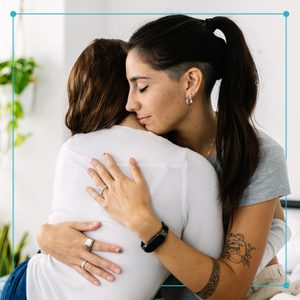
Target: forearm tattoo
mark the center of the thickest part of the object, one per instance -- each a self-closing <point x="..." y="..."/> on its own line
<point x="213" y="281"/>
<point x="237" y="250"/>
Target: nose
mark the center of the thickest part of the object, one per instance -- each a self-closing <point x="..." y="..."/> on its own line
<point x="132" y="105"/>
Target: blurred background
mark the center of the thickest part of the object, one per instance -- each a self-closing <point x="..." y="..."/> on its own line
<point x="53" y="42"/>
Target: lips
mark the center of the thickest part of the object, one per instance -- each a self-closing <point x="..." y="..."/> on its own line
<point x="142" y="120"/>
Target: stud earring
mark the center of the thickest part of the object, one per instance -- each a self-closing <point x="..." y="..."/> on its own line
<point x="188" y="100"/>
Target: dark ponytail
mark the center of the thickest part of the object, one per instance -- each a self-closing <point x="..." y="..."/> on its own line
<point x="236" y="141"/>
<point x="177" y="42"/>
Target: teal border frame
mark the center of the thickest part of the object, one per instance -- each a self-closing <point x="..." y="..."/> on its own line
<point x="285" y="14"/>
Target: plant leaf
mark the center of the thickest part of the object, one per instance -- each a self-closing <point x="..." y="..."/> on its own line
<point x="21" y="138"/>
<point x="11" y="124"/>
<point x="6" y="252"/>
<point x="18" y="109"/>
<point x="23" y="70"/>
<point x="20" y="247"/>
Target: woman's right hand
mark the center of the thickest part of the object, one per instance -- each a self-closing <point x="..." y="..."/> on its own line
<point x="65" y="241"/>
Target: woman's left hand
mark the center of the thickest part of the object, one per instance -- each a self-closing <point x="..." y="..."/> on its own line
<point x="126" y="200"/>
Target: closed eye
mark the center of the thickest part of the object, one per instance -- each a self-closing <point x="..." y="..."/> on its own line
<point x="143" y="89"/>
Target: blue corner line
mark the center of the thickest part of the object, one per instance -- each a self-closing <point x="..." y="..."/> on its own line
<point x="286" y="14"/>
<point x="13" y="14"/>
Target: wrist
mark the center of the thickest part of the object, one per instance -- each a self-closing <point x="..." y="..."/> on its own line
<point x="147" y="227"/>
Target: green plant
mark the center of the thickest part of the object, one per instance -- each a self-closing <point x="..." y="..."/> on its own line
<point x="23" y="75"/>
<point x="6" y="251"/>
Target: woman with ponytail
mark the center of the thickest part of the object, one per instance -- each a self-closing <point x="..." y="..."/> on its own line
<point x="172" y="66"/>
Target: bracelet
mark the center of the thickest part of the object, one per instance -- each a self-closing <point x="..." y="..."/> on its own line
<point x="156" y="240"/>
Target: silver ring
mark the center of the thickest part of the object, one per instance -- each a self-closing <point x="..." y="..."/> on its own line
<point x="101" y="190"/>
<point x="83" y="264"/>
<point x="88" y="244"/>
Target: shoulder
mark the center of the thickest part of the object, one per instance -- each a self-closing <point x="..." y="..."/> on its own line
<point x="272" y="155"/>
<point x="201" y="177"/>
<point x="199" y="163"/>
<point x="270" y="180"/>
<point x="124" y="142"/>
<point x="267" y="143"/>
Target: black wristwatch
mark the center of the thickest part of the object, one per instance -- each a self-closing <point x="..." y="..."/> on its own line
<point x="157" y="239"/>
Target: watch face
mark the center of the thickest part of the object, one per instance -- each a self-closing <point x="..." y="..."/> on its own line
<point x="164" y="233"/>
<point x="156" y="240"/>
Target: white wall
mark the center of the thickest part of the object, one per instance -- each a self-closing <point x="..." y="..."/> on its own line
<point x="35" y="160"/>
<point x="56" y="41"/>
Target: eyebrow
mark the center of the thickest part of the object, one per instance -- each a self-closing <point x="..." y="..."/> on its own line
<point x="135" y="78"/>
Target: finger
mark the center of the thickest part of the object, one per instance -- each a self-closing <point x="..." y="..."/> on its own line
<point x="99" y="272"/>
<point x="106" y="247"/>
<point x="87" y="275"/>
<point x="100" y="262"/>
<point x="102" y="172"/>
<point x="112" y="167"/>
<point x="96" y="196"/>
<point x="136" y="171"/>
<point x="85" y="226"/>
<point x="98" y="181"/>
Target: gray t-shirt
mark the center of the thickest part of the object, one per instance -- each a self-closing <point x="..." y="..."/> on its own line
<point x="269" y="181"/>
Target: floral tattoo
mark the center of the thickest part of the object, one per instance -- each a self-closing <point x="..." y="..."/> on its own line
<point x="237" y="250"/>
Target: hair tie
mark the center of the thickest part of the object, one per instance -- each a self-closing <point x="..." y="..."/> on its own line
<point x="210" y="24"/>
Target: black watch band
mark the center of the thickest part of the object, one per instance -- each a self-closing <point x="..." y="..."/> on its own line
<point x="156" y="240"/>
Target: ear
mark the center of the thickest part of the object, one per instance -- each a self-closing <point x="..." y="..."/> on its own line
<point x="193" y="80"/>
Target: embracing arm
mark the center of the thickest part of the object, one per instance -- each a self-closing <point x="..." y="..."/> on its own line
<point x="65" y="242"/>
<point x="228" y="277"/>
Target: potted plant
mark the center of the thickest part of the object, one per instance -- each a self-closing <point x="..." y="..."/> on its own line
<point x="6" y="251"/>
<point x="23" y="78"/>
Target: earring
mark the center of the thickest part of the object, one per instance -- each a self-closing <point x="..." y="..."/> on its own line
<point x="188" y="100"/>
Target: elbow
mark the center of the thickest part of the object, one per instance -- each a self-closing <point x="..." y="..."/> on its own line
<point x="41" y="236"/>
<point x="227" y="286"/>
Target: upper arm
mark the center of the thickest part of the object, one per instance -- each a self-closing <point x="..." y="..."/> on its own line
<point x="204" y="226"/>
<point x="246" y="240"/>
<point x="70" y="181"/>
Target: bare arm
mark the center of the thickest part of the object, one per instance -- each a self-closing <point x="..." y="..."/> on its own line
<point x="244" y="247"/>
<point x="128" y="201"/>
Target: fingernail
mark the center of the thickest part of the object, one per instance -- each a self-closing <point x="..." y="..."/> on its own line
<point x="117" y="270"/>
<point x="93" y="161"/>
<point x="94" y="223"/>
<point x="110" y="278"/>
<point x="105" y="154"/>
<point x="132" y="160"/>
<point x="118" y="250"/>
<point x="96" y="282"/>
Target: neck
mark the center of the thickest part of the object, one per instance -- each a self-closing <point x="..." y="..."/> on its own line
<point x="198" y="132"/>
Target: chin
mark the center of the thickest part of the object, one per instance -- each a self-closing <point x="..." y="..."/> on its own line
<point x="155" y="130"/>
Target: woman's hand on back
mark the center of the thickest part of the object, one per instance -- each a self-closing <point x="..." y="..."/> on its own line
<point x="65" y="241"/>
<point x="126" y="200"/>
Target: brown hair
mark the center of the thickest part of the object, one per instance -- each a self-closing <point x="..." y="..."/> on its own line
<point x="97" y="87"/>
